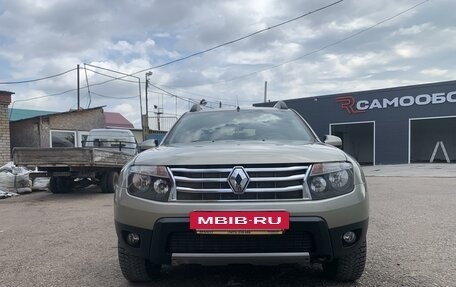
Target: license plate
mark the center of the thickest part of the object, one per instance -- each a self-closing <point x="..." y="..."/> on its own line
<point x="239" y="222"/>
<point x="240" y="232"/>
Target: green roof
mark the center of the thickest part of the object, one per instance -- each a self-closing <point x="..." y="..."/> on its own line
<point x="21" y="114"/>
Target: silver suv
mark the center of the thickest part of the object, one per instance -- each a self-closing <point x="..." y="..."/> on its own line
<point x="252" y="186"/>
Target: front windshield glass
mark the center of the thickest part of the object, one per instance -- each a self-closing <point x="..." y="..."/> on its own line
<point x="253" y="125"/>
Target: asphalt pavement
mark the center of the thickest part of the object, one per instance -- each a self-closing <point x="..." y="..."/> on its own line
<point x="69" y="240"/>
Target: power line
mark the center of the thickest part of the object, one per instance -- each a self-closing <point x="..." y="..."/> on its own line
<point x="191" y="55"/>
<point x="111" y="97"/>
<point x="240" y="38"/>
<point x="190" y="100"/>
<point x="109" y="76"/>
<point x="319" y="49"/>
<point x="223" y="44"/>
<point x="40" y="97"/>
<point x="199" y="95"/>
<point x="36" y="80"/>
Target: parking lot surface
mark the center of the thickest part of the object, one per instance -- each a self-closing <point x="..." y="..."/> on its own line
<point x="69" y="240"/>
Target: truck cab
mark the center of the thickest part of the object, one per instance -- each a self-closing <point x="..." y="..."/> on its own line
<point x="112" y="139"/>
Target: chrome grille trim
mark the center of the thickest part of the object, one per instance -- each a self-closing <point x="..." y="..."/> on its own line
<point x="205" y="190"/>
<point x="267" y="182"/>
<point x="196" y="170"/>
<point x="274" y="169"/>
<point x="228" y="190"/>
<point x="189" y="179"/>
<point x="283" y="178"/>
<point x="256" y="179"/>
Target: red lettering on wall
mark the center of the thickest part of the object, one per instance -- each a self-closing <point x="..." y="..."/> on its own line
<point x="348" y="103"/>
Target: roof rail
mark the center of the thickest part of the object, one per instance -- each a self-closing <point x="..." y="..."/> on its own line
<point x="195" y="108"/>
<point x="281" y="105"/>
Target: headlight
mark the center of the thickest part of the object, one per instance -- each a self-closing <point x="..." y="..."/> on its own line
<point x="330" y="179"/>
<point x="149" y="182"/>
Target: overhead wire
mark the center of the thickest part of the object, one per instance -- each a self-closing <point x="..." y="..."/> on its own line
<point x="224" y="44"/>
<point x="221" y="45"/>
<point x="241" y="38"/>
<point x="38" y="79"/>
<point x="319" y="49"/>
<point x="188" y="56"/>
<point x="39" y="97"/>
<point x="190" y="100"/>
<point x="109" y="76"/>
<point x="197" y="94"/>
<point x="111" y="97"/>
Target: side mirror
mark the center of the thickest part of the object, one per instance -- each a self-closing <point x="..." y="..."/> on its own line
<point x="333" y="140"/>
<point x="148" y="144"/>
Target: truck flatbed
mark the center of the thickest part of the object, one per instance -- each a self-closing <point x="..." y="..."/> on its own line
<point x="68" y="157"/>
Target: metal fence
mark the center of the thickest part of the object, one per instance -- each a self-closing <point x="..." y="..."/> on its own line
<point x="162" y="123"/>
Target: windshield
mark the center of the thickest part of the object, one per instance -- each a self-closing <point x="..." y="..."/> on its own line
<point x="256" y="125"/>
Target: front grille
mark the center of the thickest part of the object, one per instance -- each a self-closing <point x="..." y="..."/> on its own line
<point x="191" y="242"/>
<point x="267" y="182"/>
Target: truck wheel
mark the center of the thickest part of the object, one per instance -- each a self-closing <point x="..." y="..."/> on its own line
<point x="60" y="184"/>
<point x="137" y="269"/>
<point x="348" y="268"/>
<point x="109" y="181"/>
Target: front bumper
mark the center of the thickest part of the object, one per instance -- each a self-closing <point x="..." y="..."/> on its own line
<point x="308" y="240"/>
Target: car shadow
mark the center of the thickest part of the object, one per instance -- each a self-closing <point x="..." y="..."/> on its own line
<point x="243" y="275"/>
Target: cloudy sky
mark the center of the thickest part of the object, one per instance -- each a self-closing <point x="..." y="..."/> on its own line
<point x="350" y="46"/>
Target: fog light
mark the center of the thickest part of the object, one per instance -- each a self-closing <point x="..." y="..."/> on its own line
<point x="349" y="237"/>
<point x="133" y="239"/>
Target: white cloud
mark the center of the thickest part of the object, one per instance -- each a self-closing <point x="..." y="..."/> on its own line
<point x="434" y="72"/>
<point x="406" y="50"/>
<point x="414" y="30"/>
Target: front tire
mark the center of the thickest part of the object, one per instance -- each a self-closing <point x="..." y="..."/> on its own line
<point x="137" y="269"/>
<point x="350" y="267"/>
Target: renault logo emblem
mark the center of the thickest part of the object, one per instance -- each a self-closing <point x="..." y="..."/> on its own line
<point x="238" y="180"/>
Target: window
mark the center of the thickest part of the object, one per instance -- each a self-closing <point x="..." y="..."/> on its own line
<point x="63" y="138"/>
<point x="82" y="137"/>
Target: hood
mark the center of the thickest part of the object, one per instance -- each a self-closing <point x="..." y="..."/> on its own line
<point x="230" y="153"/>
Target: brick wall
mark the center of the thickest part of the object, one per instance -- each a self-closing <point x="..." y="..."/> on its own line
<point x="5" y="154"/>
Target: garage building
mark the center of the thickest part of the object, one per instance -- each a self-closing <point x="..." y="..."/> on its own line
<point x="410" y="124"/>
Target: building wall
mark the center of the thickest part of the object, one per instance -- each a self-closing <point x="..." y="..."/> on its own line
<point x="5" y="154"/>
<point x="35" y="132"/>
<point x="25" y="133"/>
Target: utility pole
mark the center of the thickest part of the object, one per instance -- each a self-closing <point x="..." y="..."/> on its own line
<point x="79" y="100"/>
<point x="265" y="91"/>
<point x="146" y="123"/>
<point x="139" y="91"/>
<point x="158" y="112"/>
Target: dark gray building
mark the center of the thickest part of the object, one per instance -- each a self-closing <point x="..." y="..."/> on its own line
<point x="408" y="124"/>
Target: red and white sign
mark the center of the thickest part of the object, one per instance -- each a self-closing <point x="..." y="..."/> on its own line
<point x="239" y="220"/>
